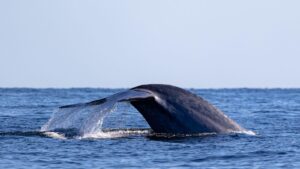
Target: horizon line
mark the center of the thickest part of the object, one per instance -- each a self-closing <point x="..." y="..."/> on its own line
<point x="96" y="87"/>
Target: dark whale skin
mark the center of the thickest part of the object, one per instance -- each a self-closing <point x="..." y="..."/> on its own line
<point x="175" y="110"/>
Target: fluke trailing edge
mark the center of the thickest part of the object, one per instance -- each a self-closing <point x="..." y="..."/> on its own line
<point x="169" y="109"/>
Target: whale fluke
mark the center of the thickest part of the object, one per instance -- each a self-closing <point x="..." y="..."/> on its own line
<point x="170" y="109"/>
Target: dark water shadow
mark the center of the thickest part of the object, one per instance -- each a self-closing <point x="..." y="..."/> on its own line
<point x="195" y="138"/>
<point x="180" y="138"/>
<point x="23" y="134"/>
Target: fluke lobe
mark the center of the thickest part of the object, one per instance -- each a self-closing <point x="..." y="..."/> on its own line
<point x="170" y="109"/>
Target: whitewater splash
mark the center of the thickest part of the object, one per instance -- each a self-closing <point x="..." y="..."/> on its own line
<point x="80" y="120"/>
<point x="116" y="133"/>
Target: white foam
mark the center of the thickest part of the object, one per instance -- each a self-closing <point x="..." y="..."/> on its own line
<point x="55" y="135"/>
<point x="248" y="132"/>
<point x="114" y="134"/>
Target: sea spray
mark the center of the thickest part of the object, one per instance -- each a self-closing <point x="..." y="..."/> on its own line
<point x="79" y="120"/>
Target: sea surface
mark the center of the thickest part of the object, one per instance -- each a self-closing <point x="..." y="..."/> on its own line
<point x="126" y="141"/>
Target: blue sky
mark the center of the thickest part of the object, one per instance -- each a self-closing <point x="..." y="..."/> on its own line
<point x="121" y="43"/>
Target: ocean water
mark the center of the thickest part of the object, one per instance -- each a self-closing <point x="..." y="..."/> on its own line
<point x="125" y="140"/>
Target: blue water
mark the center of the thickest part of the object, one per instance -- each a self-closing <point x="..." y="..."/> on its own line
<point x="273" y="114"/>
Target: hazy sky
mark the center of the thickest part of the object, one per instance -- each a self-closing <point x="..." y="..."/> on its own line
<point x="123" y="43"/>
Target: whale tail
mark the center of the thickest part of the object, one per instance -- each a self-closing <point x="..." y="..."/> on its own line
<point x="167" y="109"/>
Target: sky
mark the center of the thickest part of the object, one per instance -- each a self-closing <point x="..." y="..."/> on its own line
<point x="124" y="43"/>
